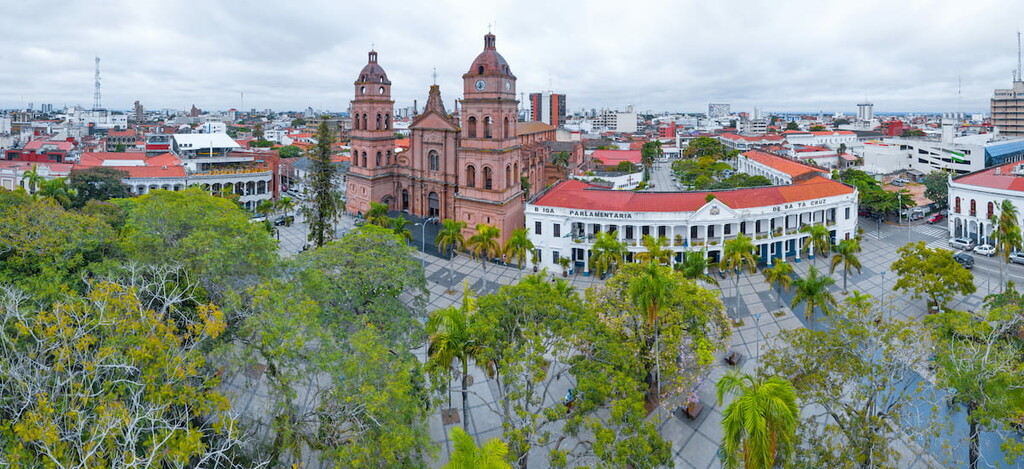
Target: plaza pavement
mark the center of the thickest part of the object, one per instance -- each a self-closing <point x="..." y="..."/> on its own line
<point x="695" y="443"/>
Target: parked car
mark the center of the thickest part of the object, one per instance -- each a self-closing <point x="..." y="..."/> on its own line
<point x="985" y="250"/>
<point x="936" y="218"/>
<point x="1017" y="257"/>
<point x="285" y="220"/>
<point x="961" y="243"/>
<point x="964" y="259"/>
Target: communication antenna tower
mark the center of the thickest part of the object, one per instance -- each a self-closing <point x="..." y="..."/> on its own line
<point x="1018" y="58"/>
<point x="96" y="96"/>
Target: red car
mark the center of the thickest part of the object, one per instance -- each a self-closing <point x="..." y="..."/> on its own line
<point x="936" y="218"/>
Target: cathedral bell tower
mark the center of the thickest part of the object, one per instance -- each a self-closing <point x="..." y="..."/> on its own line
<point x="371" y="176"/>
<point x="490" y="190"/>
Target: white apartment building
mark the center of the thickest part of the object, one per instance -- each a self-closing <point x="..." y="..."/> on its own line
<point x="616" y="121"/>
<point x="565" y="219"/>
<point x="958" y="155"/>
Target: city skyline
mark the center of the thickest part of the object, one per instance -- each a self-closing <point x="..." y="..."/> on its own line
<point x="794" y="57"/>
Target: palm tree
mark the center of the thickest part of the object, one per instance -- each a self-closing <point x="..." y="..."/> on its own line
<point x="56" y="189"/>
<point x="452" y="338"/>
<point x="846" y="254"/>
<point x="401" y="228"/>
<point x="650" y="291"/>
<point x="466" y="454"/>
<point x="818" y="240"/>
<point x="1007" y="235"/>
<point x="813" y="292"/>
<point x="608" y="252"/>
<point x="518" y="246"/>
<point x="265" y="207"/>
<point x="695" y="267"/>
<point x="378" y="215"/>
<point x="655" y="250"/>
<point x="450" y="240"/>
<point x="285" y="204"/>
<point x="737" y="254"/>
<point x="484" y="245"/>
<point x="561" y="160"/>
<point x="759" y="425"/>
<point x="779" y="276"/>
<point x="32" y="178"/>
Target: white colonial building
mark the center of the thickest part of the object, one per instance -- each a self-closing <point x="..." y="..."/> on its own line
<point x="974" y="198"/>
<point x="566" y="218"/>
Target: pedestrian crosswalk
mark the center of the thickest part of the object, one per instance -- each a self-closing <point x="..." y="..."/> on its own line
<point x="932" y="230"/>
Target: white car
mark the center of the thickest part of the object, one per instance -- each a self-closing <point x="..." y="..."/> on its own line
<point x="985" y="250"/>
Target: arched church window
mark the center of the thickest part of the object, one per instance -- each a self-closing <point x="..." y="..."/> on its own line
<point x="387" y="121"/>
<point x="378" y="158"/>
<point x="505" y="130"/>
<point x="364" y="159"/>
<point x="471" y="127"/>
<point x="470" y="176"/>
<point x="480" y="70"/>
<point x="488" y="178"/>
<point x="378" y="122"/>
<point x="487" y="127"/>
<point x="387" y="158"/>
<point x="364" y="127"/>
<point x="508" y="175"/>
<point x="355" y="122"/>
<point x="433" y="161"/>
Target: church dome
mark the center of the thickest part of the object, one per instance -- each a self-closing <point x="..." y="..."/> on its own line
<point x="373" y="72"/>
<point x="490" y="62"/>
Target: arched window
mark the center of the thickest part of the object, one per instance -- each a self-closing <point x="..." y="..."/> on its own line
<point x="515" y="170"/>
<point x="989" y="210"/>
<point x="957" y="205"/>
<point x="508" y="175"/>
<point x="487" y="127"/>
<point x="387" y="121"/>
<point x="471" y="127"/>
<point x="378" y="122"/>
<point x="355" y="122"/>
<point x="433" y="161"/>
<point x="488" y="178"/>
<point x="974" y="208"/>
<point x="387" y="159"/>
<point x="364" y="159"/>
<point x="470" y="176"/>
<point x="378" y="159"/>
<point x="364" y="127"/>
<point x="505" y="131"/>
<point x="480" y="70"/>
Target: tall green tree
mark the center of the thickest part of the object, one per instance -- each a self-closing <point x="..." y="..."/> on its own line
<point x="931" y="273"/>
<point x="760" y="423"/>
<point x="695" y="267"/>
<point x="378" y="215"/>
<point x="655" y="250"/>
<point x="450" y="240"/>
<point x="936" y="187"/>
<point x="467" y="455"/>
<point x="813" y="292"/>
<point x="792" y="126"/>
<point x="1007" y="236"/>
<point x="32" y="179"/>
<point x="400" y="226"/>
<point x="97" y="184"/>
<point x="737" y="254"/>
<point x="779" y="276"/>
<point x="561" y="160"/>
<point x="649" y="153"/>
<point x="518" y="246"/>
<point x="453" y="338"/>
<point x="323" y="210"/>
<point x="817" y="242"/>
<point x="846" y="255"/>
<point x="58" y="190"/>
<point x="980" y="364"/>
<point x="608" y="253"/>
<point x="650" y="292"/>
<point x="484" y="245"/>
<point x="860" y="372"/>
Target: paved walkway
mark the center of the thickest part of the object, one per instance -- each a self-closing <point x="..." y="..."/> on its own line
<point x="695" y="443"/>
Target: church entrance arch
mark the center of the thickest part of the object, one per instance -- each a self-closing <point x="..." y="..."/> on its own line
<point x="433" y="205"/>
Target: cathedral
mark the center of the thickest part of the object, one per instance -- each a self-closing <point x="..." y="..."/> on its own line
<point x="476" y="166"/>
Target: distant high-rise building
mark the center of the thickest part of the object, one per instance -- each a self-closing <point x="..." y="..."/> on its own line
<point x="718" y="110"/>
<point x="1008" y="109"/>
<point x="138" y="112"/>
<point x="865" y="111"/>
<point x="547" y="107"/>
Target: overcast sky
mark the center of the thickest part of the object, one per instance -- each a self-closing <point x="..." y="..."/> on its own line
<point x="675" y="56"/>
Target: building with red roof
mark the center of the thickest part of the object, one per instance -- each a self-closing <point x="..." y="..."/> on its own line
<point x="975" y="197"/>
<point x="612" y="158"/>
<point x="12" y="173"/>
<point x="746" y="142"/>
<point x="565" y="219"/>
<point x="42" y="151"/>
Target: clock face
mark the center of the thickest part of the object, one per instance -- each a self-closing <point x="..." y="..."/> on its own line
<point x="508" y="85"/>
<point x="480" y="85"/>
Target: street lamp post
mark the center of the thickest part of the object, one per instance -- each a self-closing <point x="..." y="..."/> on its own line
<point x="423" y="241"/>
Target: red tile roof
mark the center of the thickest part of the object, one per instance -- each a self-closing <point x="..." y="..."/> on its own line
<point x="752" y="138"/>
<point x="38" y="144"/>
<point x="614" y="157"/>
<point x="581" y="195"/>
<point x="792" y="168"/>
<point x="1005" y="180"/>
<point x="164" y="165"/>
